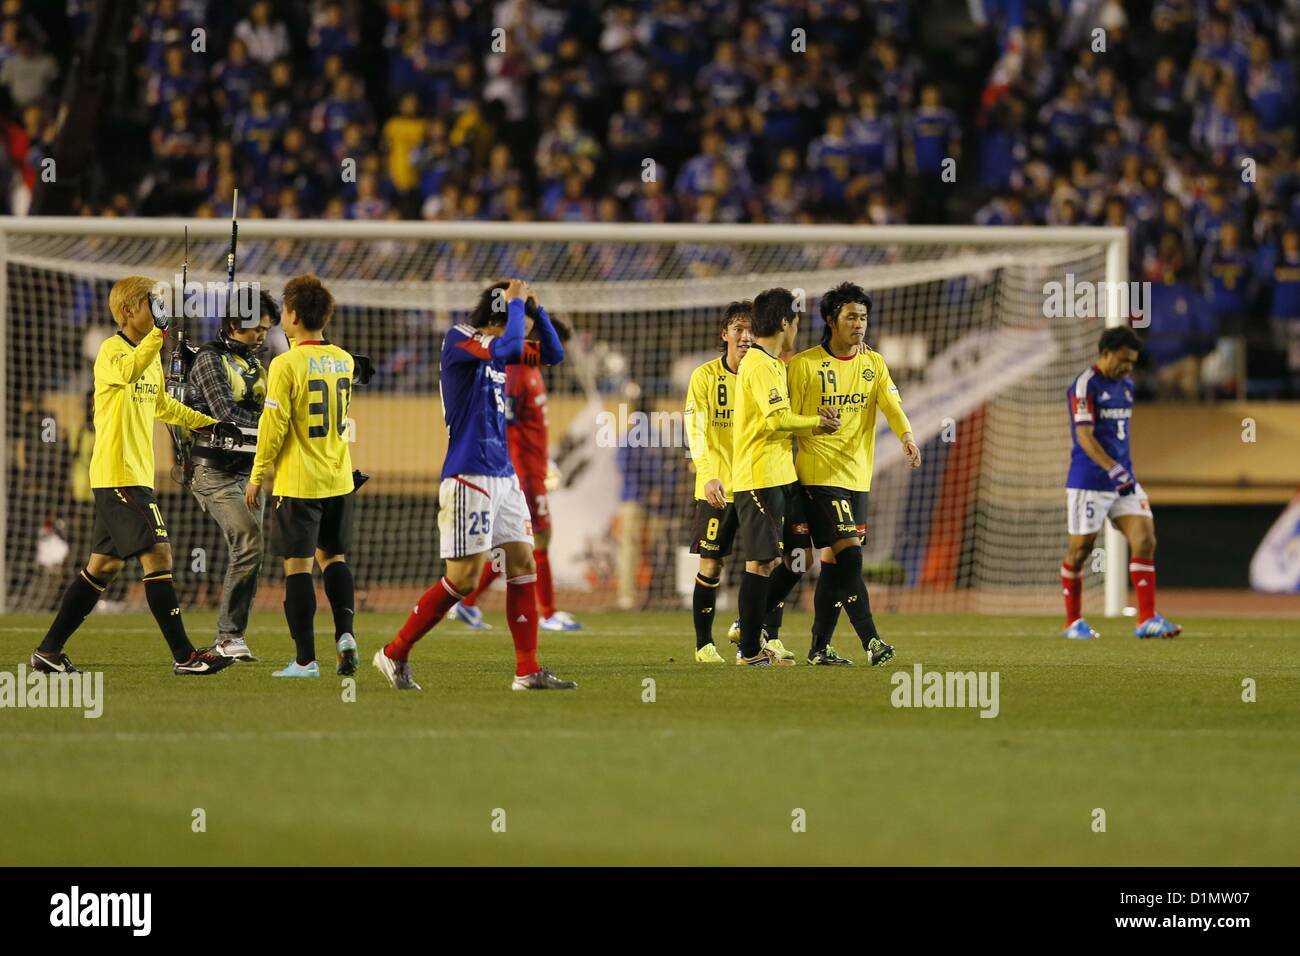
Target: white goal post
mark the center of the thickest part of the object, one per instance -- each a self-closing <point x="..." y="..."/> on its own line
<point x="962" y="307"/>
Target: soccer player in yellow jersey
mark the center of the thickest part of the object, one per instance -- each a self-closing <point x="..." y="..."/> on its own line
<point x="834" y="471"/>
<point x="766" y="491"/>
<point x="129" y="395"/>
<point x="710" y="401"/>
<point x="303" y="433"/>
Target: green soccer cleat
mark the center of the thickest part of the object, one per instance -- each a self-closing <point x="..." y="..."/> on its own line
<point x="827" y="657"/>
<point x="777" y="648"/>
<point x="708" y="654"/>
<point x="881" y="653"/>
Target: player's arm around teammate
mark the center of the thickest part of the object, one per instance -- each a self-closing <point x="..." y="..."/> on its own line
<point x="129" y="395"/>
<point x="228" y="380"/>
<point x="766" y="489"/>
<point x="710" y="403"/>
<point x="481" y="504"/>
<point x="303" y="432"/>
<point x="1101" y="485"/>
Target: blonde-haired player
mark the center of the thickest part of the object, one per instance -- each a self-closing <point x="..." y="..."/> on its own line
<point x="129" y="395"/>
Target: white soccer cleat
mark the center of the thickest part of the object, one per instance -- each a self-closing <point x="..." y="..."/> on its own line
<point x="560" y="621"/>
<point x="541" y="680"/>
<point x="397" y="673"/>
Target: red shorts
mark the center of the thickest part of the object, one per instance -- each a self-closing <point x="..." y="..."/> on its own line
<point x="539" y="506"/>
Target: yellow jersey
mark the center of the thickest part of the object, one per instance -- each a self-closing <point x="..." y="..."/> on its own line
<point x="761" y="452"/>
<point x="857" y="386"/>
<point x="129" y="395"/>
<point x="303" y="428"/>
<point x="710" y="403"/>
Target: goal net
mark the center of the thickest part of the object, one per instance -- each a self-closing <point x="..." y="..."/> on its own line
<point x="959" y="316"/>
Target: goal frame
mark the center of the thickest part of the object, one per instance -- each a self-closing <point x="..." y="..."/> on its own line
<point x="1114" y="238"/>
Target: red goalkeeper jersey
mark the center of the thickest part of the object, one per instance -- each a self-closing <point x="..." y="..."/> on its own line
<point x="526" y="422"/>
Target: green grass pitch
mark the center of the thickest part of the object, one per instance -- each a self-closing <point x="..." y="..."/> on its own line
<point x="1155" y="733"/>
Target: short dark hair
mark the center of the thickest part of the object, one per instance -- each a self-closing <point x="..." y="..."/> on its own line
<point x="1120" y="337"/>
<point x="837" y="298"/>
<point x="483" y="314"/>
<point x="739" y="309"/>
<point x="307" y="297"/>
<point x="771" y="308"/>
<point x="266" y="306"/>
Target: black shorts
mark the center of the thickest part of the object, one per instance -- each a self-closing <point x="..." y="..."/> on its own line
<point x="835" y="513"/>
<point x="772" y="522"/>
<point x="714" y="530"/>
<point x="304" y="524"/>
<point x="127" y="521"/>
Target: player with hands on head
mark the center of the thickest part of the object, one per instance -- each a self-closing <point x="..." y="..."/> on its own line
<point x="481" y="504"/>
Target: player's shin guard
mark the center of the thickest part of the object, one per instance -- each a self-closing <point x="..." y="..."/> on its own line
<point x="852" y="590"/>
<point x="779" y="586"/>
<point x="1142" y="572"/>
<point x="78" y="601"/>
<point x="826" y="608"/>
<point x="340" y="591"/>
<point x="521" y="610"/>
<point x="545" y="589"/>
<point x="160" y="592"/>
<point x="1072" y="588"/>
<point x="752" y="602"/>
<point x="703" y="603"/>
<point x="300" y="613"/>
<point x="485" y="580"/>
<point x="429" y="610"/>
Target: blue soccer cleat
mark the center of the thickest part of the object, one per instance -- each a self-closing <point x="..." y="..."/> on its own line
<point x="469" y="615"/>
<point x="1157" y="626"/>
<point x="1080" y="631"/>
<point x="294" y="669"/>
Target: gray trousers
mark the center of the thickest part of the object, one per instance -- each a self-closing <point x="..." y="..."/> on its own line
<point x="221" y="495"/>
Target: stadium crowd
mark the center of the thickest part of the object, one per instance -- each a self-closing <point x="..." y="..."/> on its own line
<point x="1175" y="119"/>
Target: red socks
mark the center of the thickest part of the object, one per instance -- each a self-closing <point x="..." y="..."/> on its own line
<point x="545" y="591"/>
<point x="485" y="580"/>
<point x="1142" y="572"/>
<point x="521" y="612"/>
<point x="1072" y="585"/>
<point x="432" y="607"/>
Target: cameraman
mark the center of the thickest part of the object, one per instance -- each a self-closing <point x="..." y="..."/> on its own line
<point x="228" y="381"/>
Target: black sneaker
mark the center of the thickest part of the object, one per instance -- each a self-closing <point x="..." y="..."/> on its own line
<point x="202" y="661"/>
<point x="827" y="656"/>
<point x="48" y="663"/>
<point x="881" y="653"/>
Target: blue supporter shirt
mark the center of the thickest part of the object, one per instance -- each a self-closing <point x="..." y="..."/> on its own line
<point x="1107" y="405"/>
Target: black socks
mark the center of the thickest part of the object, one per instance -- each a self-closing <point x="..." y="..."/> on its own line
<point x="339" y="590"/>
<point x="300" y="613"/>
<point x="161" y="595"/>
<point x="826" y="608"/>
<point x="78" y="601"/>
<point x="703" y="603"/>
<point x="752" y="602"/>
<point x="852" y="591"/>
